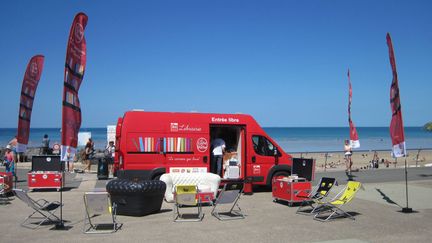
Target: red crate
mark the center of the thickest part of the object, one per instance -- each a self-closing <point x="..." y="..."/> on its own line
<point x="205" y="197"/>
<point x="290" y="191"/>
<point x="6" y="178"/>
<point x="44" y="179"/>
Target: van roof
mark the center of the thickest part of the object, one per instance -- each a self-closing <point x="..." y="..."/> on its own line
<point x="133" y="117"/>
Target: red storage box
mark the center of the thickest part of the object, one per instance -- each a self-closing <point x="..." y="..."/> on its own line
<point x="291" y="191"/>
<point x="6" y="178"/>
<point x="44" y="179"/>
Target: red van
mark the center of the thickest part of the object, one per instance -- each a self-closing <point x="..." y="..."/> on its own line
<point x="149" y="144"/>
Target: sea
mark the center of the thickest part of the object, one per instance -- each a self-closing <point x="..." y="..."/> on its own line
<point x="291" y="139"/>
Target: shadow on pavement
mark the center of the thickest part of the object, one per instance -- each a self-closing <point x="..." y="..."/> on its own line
<point x="386" y="198"/>
<point x="350" y="176"/>
<point x="425" y="175"/>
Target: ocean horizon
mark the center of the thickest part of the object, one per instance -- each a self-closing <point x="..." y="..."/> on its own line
<point x="291" y="139"/>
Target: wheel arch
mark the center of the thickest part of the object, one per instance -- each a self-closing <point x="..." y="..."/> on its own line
<point x="275" y="169"/>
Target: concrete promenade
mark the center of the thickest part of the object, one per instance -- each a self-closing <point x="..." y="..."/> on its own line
<point x="377" y="210"/>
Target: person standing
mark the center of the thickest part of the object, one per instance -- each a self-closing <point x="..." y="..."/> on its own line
<point x="348" y="154"/>
<point x="9" y="160"/>
<point x="13" y="144"/>
<point x="14" y="155"/>
<point x="375" y="161"/>
<point x="218" y="150"/>
<point x="45" y="144"/>
<point x="70" y="162"/>
<point x="109" y="155"/>
<point x="88" y="151"/>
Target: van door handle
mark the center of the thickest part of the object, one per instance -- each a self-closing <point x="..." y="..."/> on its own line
<point x="253" y="159"/>
<point x="205" y="159"/>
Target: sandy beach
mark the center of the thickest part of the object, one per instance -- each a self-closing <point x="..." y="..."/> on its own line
<point x="361" y="159"/>
<point x="334" y="161"/>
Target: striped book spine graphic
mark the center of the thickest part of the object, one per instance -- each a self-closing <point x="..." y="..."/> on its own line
<point x="178" y="144"/>
<point x="163" y="144"/>
<point x="141" y="144"/>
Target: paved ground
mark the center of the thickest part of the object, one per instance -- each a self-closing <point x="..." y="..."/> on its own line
<point x="377" y="210"/>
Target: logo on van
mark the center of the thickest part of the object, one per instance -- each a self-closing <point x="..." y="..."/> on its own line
<point x="174" y="127"/>
<point x="202" y="145"/>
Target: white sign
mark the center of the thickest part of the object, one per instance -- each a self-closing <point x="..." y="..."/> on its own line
<point x="111" y="133"/>
<point x="83" y="138"/>
<point x="188" y="169"/>
<point x="224" y="120"/>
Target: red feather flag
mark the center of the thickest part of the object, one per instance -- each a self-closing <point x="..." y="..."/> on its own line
<point x="354" y="140"/>
<point x="396" y="125"/>
<point x="76" y="56"/>
<point x="28" y="91"/>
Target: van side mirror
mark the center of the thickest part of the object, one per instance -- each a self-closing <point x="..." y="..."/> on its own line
<point x="275" y="151"/>
<point x="276" y="155"/>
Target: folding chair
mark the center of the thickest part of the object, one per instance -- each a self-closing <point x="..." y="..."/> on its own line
<point x="186" y="195"/>
<point x="230" y="194"/>
<point x="98" y="204"/>
<point x="321" y="191"/>
<point x="42" y="207"/>
<point x="334" y="207"/>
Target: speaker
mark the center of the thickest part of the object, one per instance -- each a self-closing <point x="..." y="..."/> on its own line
<point x="304" y="168"/>
<point x="47" y="163"/>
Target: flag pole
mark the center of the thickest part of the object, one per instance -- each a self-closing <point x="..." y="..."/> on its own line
<point x="396" y="124"/>
<point x="16" y="175"/>
<point x="60" y="225"/>
<point x="406" y="209"/>
<point x="325" y="163"/>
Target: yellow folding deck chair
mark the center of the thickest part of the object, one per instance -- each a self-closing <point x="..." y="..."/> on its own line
<point x="334" y="207"/>
<point x="186" y="195"/>
<point x="318" y="195"/>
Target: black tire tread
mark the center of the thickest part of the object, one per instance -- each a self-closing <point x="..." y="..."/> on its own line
<point x="125" y="186"/>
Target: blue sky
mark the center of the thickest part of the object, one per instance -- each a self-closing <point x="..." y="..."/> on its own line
<point x="284" y="62"/>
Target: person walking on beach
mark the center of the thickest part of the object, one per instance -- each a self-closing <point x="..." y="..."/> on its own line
<point x="218" y="150"/>
<point x="88" y="151"/>
<point x="348" y="154"/>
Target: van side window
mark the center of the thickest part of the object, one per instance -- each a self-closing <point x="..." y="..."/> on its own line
<point x="262" y="146"/>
